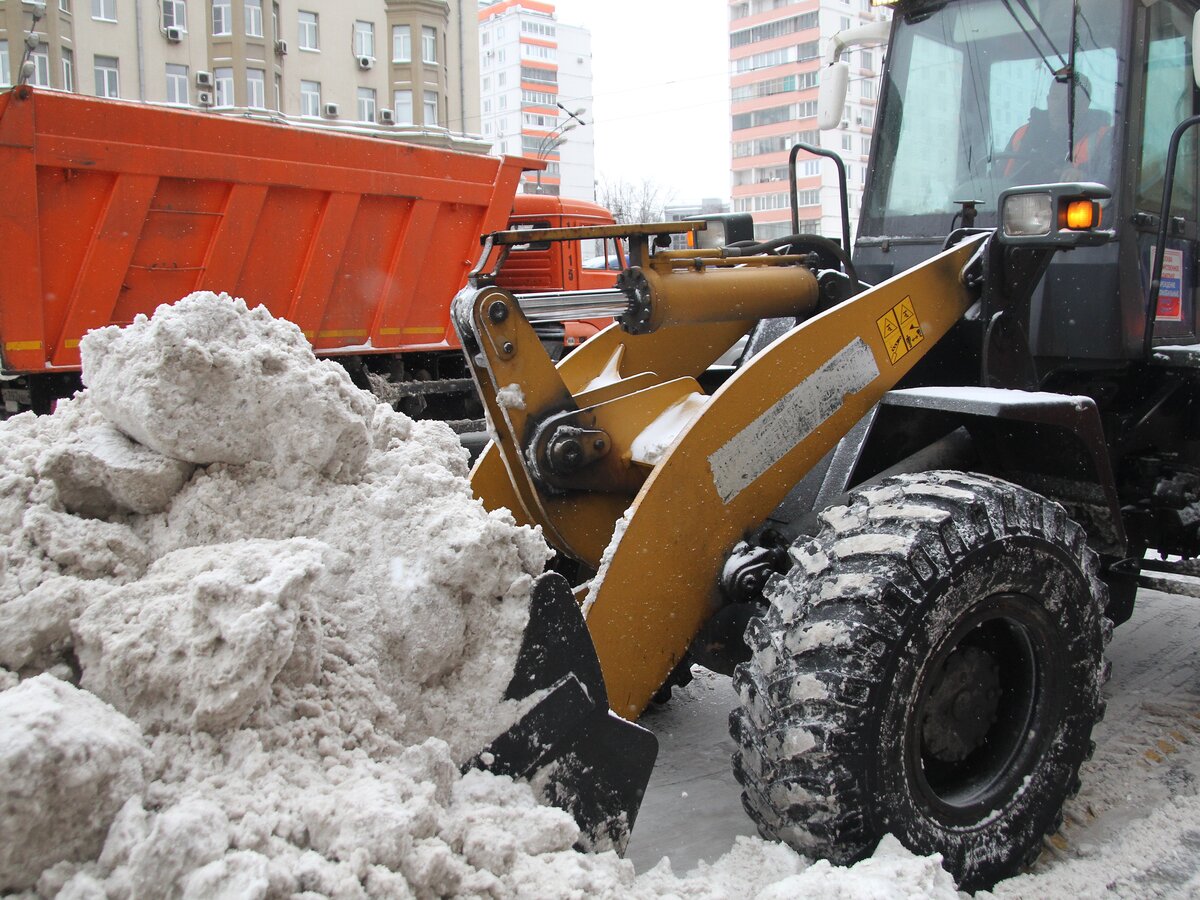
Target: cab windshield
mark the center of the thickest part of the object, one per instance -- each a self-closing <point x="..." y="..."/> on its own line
<point x="988" y="94"/>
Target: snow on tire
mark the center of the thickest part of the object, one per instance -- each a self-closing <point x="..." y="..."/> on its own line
<point x="930" y="667"/>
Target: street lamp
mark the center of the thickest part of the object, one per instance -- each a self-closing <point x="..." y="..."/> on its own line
<point x="557" y="137"/>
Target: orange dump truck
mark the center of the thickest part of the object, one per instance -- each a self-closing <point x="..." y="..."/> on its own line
<point x="113" y="208"/>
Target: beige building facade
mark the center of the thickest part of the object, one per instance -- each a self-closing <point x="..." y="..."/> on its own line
<point x="392" y="63"/>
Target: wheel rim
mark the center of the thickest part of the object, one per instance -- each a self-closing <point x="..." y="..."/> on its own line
<point x="985" y="710"/>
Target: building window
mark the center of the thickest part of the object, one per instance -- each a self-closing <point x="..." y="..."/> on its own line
<point x="541" y="29"/>
<point x="428" y="44"/>
<point x="223" y="82"/>
<point x="310" y="98"/>
<point x="487" y="105"/>
<point x="866" y="146"/>
<point x="174" y="14"/>
<point x="401" y="43"/>
<point x="539" y="76"/>
<point x="222" y="17"/>
<point x="846" y="141"/>
<point x="775" y="29"/>
<point x="501" y="79"/>
<point x="253" y="15"/>
<point x="279" y="92"/>
<point x="366" y="104"/>
<point x="364" y="39"/>
<point x="537" y="51"/>
<point x="540" y="98"/>
<point x="5" y="80"/>
<point x="177" y="84"/>
<point x="41" y="67"/>
<point x="402" y="101"/>
<point x="68" y="69"/>
<point x="64" y="5"/>
<point x="275" y="21"/>
<point x="310" y="38"/>
<point x="108" y="80"/>
<point x="868" y="59"/>
<point x="256" y="88"/>
<point x="105" y="10"/>
<point x="429" y="109"/>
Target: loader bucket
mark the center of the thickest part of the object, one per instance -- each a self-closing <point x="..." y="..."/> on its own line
<point x="587" y="760"/>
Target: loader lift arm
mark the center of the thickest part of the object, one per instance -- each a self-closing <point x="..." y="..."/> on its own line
<point x="572" y="451"/>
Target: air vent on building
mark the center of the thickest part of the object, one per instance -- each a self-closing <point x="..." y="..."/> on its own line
<point x="366" y="62"/>
<point x="204" y="79"/>
<point x="386" y="117"/>
<point x="281" y="48"/>
<point x="331" y="110"/>
<point x="174" y="35"/>
<point x="204" y="98"/>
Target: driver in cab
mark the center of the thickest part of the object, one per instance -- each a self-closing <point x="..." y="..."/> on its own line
<point x="1044" y="148"/>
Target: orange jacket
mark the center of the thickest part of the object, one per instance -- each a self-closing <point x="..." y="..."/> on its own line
<point x="1082" y="150"/>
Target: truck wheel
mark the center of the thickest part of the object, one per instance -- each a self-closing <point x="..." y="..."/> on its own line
<point x="930" y="667"/>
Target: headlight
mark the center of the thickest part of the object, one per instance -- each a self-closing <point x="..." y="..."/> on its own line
<point x="1053" y="215"/>
<point x="1025" y="215"/>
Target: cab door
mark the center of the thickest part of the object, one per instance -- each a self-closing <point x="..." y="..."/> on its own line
<point x="1169" y="95"/>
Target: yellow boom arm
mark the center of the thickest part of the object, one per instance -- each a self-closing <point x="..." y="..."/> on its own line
<point x="621" y="430"/>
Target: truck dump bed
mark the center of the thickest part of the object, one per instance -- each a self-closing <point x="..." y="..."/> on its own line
<point x="113" y="208"/>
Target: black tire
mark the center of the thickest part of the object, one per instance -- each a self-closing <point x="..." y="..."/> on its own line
<point x="931" y="667"/>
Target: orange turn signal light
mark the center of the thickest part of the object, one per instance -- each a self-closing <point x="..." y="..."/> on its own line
<point x="1082" y="215"/>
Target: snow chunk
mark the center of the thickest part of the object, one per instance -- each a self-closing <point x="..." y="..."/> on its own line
<point x="68" y="762"/>
<point x="208" y="380"/>
<point x="100" y="472"/>
<point x="893" y="872"/>
<point x="511" y="397"/>
<point x="198" y="641"/>
<point x="652" y="443"/>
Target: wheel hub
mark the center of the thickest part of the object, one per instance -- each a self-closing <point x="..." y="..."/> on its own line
<point x="962" y="706"/>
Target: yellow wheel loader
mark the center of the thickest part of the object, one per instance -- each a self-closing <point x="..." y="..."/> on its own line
<point x="905" y="520"/>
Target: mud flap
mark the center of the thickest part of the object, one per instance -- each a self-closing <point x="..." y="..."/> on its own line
<point x="582" y="757"/>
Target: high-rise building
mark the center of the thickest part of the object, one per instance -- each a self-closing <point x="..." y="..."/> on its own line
<point x="775" y="49"/>
<point x="535" y="90"/>
<point x="392" y="62"/>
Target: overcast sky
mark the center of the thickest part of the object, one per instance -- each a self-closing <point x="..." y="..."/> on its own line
<point x="661" y="84"/>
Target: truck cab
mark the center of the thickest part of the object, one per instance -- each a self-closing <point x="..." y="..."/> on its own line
<point x="578" y="265"/>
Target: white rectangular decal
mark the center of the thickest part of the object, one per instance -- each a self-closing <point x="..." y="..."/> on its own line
<point x="797" y="414"/>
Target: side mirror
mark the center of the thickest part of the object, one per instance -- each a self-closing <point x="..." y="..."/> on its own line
<point x="1195" y="44"/>
<point x="831" y="94"/>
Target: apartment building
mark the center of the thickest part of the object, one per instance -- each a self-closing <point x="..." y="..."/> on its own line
<point x="775" y="49"/>
<point x="535" y="93"/>
<point x="405" y="64"/>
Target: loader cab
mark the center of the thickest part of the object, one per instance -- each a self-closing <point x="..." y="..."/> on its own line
<point x="982" y="95"/>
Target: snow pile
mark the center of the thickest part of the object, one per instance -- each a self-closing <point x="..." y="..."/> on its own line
<point x="251" y="622"/>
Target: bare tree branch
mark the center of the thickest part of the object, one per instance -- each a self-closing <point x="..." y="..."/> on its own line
<point x="632" y="203"/>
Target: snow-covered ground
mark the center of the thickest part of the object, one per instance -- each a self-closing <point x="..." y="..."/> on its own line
<point x="1133" y="830"/>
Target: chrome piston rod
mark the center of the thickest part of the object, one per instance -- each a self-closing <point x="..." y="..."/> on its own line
<point x="554" y="306"/>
